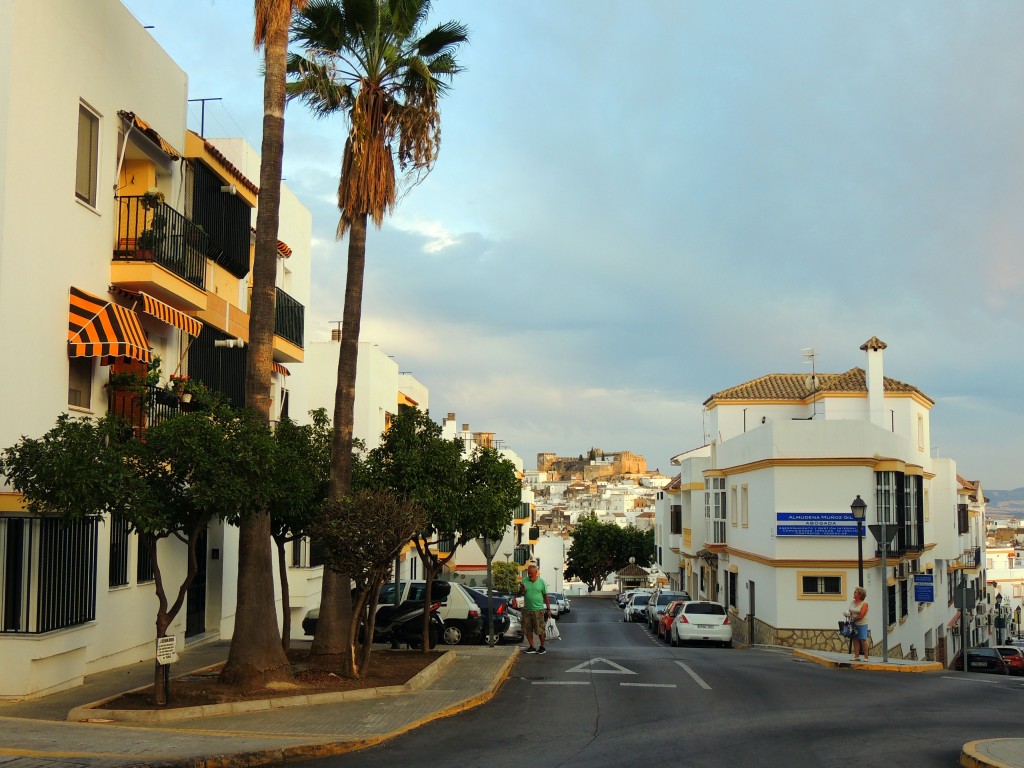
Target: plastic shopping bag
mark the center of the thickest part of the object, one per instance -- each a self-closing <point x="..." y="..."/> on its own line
<point x="551" y="629"/>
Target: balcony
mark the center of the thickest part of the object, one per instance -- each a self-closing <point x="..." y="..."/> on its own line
<point x="143" y="409"/>
<point x="969" y="560"/>
<point x="290" y="320"/>
<point x="160" y="252"/>
<point x="522" y="555"/>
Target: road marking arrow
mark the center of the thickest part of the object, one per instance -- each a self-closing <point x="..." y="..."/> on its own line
<point x="588" y="667"/>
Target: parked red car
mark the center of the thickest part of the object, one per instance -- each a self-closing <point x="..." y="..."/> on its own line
<point x="1014" y="658"/>
<point x="666" y="619"/>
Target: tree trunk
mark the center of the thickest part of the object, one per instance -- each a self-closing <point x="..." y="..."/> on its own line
<point x="256" y="655"/>
<point x="286" y="602"/>
<point x="334" y="625"/>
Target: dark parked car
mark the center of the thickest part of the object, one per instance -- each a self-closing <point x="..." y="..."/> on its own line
<point x="501" y="620"/>
<point x="986" y="660"/>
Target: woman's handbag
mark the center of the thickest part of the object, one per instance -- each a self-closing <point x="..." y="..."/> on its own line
<point x="847" y="629"/>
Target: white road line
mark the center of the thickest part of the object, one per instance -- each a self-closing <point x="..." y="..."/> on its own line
<point x="561" y="682"/>
<point x="971" y="679"/>
<point x="649" y="685"/>
<point x="697" y="678"/>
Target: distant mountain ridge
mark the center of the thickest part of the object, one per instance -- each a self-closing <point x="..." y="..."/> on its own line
<point x="1017" y="494"/>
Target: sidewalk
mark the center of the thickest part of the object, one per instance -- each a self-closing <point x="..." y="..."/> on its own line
<point x="988" y="753"/>
<point x="35" y="733"/>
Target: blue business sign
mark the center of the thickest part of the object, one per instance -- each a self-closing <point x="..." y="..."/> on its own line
<point x="924" y="588"/>
<point x="815" y="524"/>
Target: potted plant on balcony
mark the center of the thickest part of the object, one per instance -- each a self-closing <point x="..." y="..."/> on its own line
<point x="151" y="198"/>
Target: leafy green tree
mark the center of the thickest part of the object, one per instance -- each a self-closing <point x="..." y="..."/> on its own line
<point x="301" y="466"/>
<point x="190" y="469"/>
<point x="256" y="655"/>
<point x="362" y="534"/>
<point x="464" y="497"/>
<point x="505" y="576"/>
<point x="369" y="61"/>
<point x="599" y="548"/>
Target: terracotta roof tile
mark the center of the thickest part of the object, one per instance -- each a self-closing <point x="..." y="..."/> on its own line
<point x="797" y="386"/>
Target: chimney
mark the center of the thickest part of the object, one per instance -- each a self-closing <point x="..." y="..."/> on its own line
<point x="875" y="380"/>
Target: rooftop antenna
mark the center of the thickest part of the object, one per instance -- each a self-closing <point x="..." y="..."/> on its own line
<point x="202" y="112"/>
<point x="812" y="380"/>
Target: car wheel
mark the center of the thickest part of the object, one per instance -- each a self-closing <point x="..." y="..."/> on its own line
<point x="674" y="642"/>
<point x="452" y="633"/>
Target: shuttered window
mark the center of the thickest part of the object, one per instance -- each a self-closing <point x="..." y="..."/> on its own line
<point x="88" y="155"/>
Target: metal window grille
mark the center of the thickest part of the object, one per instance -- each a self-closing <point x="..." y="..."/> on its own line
<point x="144" y="560"/>
<point x="904" y="598"/>
<point x="49" y="574"/>
<point x="733" y="588"/>
<point x="120" y="536"/>
<point x="822" y="585"/>
<point x="891" y="589"/>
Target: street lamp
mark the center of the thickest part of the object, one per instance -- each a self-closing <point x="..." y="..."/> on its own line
<point x="858" y="508"/>
<point x="507" y="555"/>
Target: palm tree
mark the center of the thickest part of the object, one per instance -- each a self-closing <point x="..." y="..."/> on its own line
<point x="367" y="60"/>
<point x="256" y="655"/>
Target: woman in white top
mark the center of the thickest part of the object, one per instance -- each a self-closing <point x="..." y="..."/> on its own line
<point x="858" y="614"/>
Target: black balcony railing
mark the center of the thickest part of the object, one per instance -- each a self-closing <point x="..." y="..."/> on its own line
<point x="143" y="409"/>
<point x="290" y="320"/>
<point x="522" y="555"/>
<point x="160" y="234"/>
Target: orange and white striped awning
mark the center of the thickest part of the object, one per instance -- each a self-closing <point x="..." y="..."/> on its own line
<point x="100" y="328"/>
<point x="161" y="311"/>
<point x="170" y="315"/>
<point x="278" y="368"/>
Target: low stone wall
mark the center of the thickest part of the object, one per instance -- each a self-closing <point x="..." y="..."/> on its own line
<point x="756" y="632"/>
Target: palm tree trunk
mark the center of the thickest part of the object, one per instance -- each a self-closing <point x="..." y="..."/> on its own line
<point x="256" y="655"/>
<point x="334" y="624"/>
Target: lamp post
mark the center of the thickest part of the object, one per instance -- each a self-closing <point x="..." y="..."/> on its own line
<point x="858" y="508"/>
<point x="507" y="555"/>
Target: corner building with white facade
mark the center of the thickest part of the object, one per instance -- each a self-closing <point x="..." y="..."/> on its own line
<point x="759" y="519"/>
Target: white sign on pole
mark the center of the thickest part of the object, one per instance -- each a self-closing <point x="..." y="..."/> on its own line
<point x="167" y="649"/>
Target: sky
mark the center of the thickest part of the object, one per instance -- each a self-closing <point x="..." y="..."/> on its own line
<point x="637" y="205"/>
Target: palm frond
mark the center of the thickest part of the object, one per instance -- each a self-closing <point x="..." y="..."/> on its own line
<point x="442" y="38"/>
<point x="272" y="14"/>
<point x="406" y="16"/>
<point x="315" y="86"/>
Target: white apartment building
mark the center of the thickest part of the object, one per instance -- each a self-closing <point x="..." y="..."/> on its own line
<point x="760" y="520"/>
<point x="99" y="273"/>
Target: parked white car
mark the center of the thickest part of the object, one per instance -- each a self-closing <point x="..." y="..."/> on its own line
<point x="636" y="608"/>
<point x="702" y="620"/>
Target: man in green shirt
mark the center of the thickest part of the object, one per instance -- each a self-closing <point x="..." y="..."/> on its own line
<point x="536" y="607"/>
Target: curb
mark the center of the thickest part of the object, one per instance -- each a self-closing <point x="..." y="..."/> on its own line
<point x="90" y="712"/>
<point x="877" y="666"/>
<point x="971" y="757"/>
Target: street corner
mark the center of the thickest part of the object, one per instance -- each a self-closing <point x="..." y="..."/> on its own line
<point x="993" y="753"/>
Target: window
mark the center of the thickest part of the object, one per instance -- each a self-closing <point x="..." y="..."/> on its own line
<point x="676" y="518"/>
<point x="920" y="432"/>
<point x="963" y="519"/>
<point x="744" y="506"/>
<point x="714" y="509"/>
<point x="48" y="570"/>
<point x="144" y="560"/>
<point x="822" y="585"/>
<point x="904" y="598"/>
<point x="120" y="535"/>
<point x="891" y="589"/>
<point x="88" y="155"/>
<point x="733" y="588"/>
<point x="732" y="506"/>
<point x="80" y="382"/>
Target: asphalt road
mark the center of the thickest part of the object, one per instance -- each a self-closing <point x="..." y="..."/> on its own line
<point x="609" y="694"/>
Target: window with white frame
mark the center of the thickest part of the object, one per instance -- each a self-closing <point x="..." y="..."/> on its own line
<point x="714" y="509"/>
<point x="87" y="166"/>
<point x="744" y="506"/>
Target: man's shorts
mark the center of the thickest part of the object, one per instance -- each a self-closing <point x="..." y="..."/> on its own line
<point x="533" y="623"/>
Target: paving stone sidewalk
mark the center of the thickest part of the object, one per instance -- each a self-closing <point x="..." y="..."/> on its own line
<point x="33" y="733"/>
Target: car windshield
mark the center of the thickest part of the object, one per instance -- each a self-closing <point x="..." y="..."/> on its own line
<point x="667" y="597"/>
<point x="641" y="599"/>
